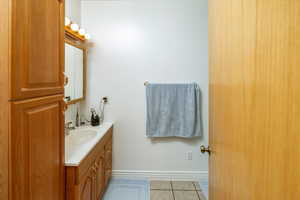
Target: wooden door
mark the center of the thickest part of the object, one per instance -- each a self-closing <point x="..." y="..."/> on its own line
<point x="37" y="149"/>
<point x="4" y="96"/>
<point x="37" y="48"/>
<point x="254" y="99"/>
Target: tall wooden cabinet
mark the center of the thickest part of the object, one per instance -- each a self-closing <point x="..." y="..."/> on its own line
<point x="31" y="100"/>
<point x="37" y="46"/>
<point x="36" y="149"/>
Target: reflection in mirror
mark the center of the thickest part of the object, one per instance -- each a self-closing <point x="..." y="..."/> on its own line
<point x="74" y="70"/>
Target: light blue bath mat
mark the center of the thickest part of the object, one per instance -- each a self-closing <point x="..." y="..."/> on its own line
<point x="120" y="189"/>
<point x="204" y="186"/>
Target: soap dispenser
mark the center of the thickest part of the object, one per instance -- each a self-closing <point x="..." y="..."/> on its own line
<point x="95" y="119"/>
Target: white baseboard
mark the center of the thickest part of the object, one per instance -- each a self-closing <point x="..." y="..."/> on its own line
<point x="161" y="175"/>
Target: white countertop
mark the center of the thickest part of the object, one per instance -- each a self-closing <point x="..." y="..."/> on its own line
<point x="81" y="141"/>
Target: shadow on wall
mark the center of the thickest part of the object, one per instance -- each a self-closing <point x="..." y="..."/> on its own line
<point x="189" y="141"/>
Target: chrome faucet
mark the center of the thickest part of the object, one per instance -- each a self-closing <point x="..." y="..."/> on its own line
<point x="68" y="128"/>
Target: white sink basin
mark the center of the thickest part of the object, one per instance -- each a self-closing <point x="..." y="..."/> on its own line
<point x="81" y="136"/>
<point x="81" y="141"/>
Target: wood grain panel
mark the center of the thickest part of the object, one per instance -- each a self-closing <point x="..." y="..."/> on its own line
<point x="254" y="99"/>
<point x="90" y="158"/>
<point x="37" y="149"/>
<point x="37" y="48"/>
<point x="4" y="96"/>
<point x="87" y="187"/>
<point x="100" y="176"/>
<point x="108" y="161"/>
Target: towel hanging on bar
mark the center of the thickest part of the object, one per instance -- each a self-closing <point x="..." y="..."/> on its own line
<point x="173" y="110"/>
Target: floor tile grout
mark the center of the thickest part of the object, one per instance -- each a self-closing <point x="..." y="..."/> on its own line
<point x="172" y="190"/>
<point x="198" y="195"/>
<point x="196" y="191"/>
<point x="194" y="186"/>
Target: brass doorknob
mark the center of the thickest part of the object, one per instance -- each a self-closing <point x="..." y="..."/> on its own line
<point x="204" y="149"/>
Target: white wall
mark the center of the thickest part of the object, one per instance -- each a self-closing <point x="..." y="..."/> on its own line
<point x="73" y="10"/>
<point x="134" y="41"/>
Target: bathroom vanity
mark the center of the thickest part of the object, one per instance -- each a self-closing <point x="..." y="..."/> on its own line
<point x="88" y="162"/>
<point x="88" y="150"/>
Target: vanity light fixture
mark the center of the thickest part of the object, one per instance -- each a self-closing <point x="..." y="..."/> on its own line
<point x="74" y="27"/>
<point x="73" y="30"/>
<point x="87" y="36"/>
<point x="81" y="32"/>
<point x="67" y="21"/>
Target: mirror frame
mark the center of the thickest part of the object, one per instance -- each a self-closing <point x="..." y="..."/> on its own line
<point x="81" y="45"/>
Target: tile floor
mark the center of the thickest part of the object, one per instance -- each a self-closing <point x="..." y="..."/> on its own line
<point x="121" y="189"/>
<point x="175" y="190"/>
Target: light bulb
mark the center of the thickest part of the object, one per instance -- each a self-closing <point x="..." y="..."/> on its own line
<point x="81" y="32"/>
<point x="74" y="27"/>
<point x="87" y="36"/>
<point x="67" y="21"/>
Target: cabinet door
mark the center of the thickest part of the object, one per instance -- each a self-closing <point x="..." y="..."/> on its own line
<point x="108" y="161"/>
<point x="100" y="176"/>
<point x="37" y="48"/>
<point x="87" y="186"/>
<point x="37" y="149"/>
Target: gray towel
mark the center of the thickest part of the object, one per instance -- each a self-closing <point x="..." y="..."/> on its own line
<point x="173" y="110"/>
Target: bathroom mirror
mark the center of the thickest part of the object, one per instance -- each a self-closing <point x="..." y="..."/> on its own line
<point x="75" y="57"/>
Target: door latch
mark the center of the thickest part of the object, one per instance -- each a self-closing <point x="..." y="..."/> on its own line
<point x="204" y="149"/>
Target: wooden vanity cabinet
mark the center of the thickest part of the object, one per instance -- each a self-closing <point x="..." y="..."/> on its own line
<point x="100" y="175"/>
<point x="108" y="163"/>
<point x="87" y="186"/>
<point x="90" y="178"/>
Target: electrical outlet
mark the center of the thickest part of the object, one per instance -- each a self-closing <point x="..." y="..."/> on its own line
<point x="105" y="99"/>
<point x="189" y="155"/>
